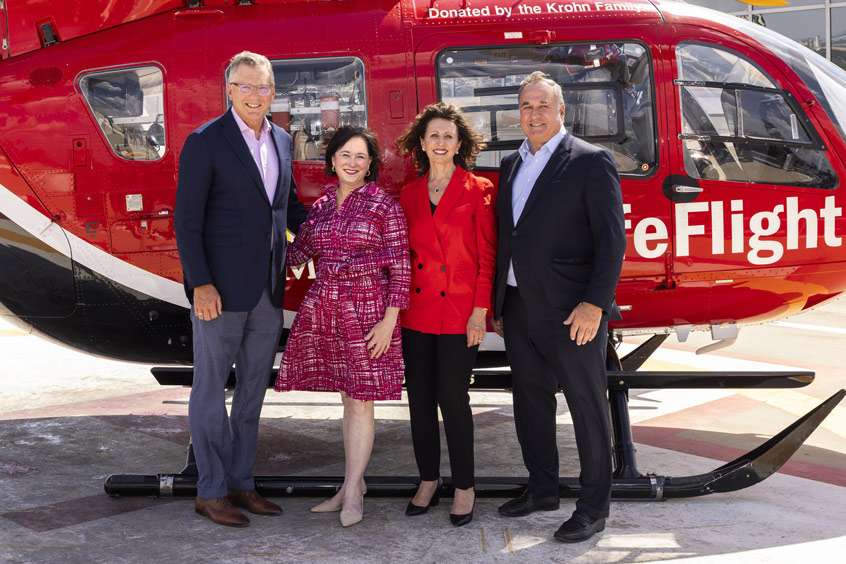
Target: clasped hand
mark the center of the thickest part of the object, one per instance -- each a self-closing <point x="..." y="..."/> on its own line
<point x="583" y="321"/>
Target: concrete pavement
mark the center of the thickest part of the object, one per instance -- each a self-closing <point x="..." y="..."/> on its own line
<point x="68" y="420"/>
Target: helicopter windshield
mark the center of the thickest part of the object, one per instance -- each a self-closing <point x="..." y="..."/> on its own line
<point x="826" y="80"/>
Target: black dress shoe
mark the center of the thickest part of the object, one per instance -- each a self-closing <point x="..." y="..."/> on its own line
<point x="414" y="510"/>
<point x="529" y="503"/>
<point x="579" y="527"/>
<point x="461" y="520"/>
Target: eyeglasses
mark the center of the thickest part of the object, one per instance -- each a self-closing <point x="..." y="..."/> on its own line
<point x="247" y="89"/>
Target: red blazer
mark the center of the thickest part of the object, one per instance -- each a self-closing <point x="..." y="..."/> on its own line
<point x="453" y="253"/>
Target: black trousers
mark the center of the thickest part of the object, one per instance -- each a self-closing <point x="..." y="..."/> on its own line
<point x="437" y="373"/>
<point x="544" y="358"/>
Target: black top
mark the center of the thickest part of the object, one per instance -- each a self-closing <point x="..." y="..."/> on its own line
<point x="433" y="206"/>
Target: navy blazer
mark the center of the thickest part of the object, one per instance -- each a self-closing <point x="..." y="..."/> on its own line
<point x="569" y="243"/>
<point x="224" y="220"/>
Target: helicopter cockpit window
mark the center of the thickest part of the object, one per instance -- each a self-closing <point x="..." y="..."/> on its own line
<point x="608" y="96"/>
<point x="737" y="125"/>
<point x="128" y="105"/>
<point x="316" y="96"/>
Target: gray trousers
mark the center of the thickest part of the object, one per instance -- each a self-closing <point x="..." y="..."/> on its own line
<point x="225" y="446"/>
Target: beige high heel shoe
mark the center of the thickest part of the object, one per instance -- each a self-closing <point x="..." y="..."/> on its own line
<point x="335" y="503"/>
<point x="349" y="518"/>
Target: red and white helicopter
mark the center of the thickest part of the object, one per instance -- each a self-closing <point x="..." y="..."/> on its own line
<point x="730" y="141"/>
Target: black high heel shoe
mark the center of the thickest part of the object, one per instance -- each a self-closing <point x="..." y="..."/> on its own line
<point x="461" y="520"/>
<point x="414" y="510"/>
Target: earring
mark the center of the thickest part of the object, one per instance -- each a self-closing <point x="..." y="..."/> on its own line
<point x="333" y="168"/>
<point x="368" y="173"/>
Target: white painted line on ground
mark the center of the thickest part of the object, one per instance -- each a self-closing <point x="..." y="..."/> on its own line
<point x="806" y="327"/>
<point x="711" y="362"/>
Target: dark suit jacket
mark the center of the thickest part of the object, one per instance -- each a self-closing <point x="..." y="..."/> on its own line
<point x="223" y="217"/>
<point x="452" y="252"/>
<point x="569" y="243"/>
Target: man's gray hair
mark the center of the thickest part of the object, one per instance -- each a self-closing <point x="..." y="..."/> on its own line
<point x="250" y="59"/>
<point x="539" y="77"/>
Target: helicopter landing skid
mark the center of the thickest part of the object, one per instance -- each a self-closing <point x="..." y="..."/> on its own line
<point x="628" y="483"/>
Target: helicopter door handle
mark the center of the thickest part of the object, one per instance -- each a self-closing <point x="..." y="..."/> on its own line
<point x="680" y="188"/>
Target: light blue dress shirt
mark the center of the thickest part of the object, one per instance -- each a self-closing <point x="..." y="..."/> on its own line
<point x="524" y="181"/>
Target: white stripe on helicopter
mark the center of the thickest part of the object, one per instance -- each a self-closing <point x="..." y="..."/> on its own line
<point x="651" y="239"/>
<point x="86" y="254"/>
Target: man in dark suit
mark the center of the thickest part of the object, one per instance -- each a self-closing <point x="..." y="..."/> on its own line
<point x="561" y="248"/>
<point x="234" y="201"/>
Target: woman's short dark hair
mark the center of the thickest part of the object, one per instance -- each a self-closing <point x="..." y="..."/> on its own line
<point x="340" y="138"/>
<point x="471" y="141"/>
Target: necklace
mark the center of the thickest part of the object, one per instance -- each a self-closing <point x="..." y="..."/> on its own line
<point x="439" y="186"/>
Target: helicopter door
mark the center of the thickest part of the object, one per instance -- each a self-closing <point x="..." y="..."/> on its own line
<point x="611" y="100"/>
<point x="126" y="201"/>
<point x="755" y="186"/>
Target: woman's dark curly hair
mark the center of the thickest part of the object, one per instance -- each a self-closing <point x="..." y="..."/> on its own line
<point x="471" y="141"/>
<point x="340" y="138"/>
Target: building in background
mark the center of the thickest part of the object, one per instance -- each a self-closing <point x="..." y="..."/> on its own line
<point x="818" y="25"/>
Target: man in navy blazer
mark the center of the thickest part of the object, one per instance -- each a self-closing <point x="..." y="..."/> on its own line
<point x="561" y="246"/>
<point x="234" y="201"/>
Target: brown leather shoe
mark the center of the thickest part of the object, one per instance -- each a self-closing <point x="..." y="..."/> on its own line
<point x="253" y="502"/>
<point x="221" y="511"/>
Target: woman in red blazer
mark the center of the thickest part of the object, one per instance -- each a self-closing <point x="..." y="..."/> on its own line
<point x="452" y="237"/>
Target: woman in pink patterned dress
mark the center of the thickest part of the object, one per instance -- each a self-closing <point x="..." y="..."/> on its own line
<point x="346" y="337"/>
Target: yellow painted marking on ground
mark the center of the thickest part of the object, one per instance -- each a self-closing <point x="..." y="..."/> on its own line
<point x="484" y="543"/>
<point x="506" y="535"/>
<point x="798" y="404"/>
<point x="663" y="365"/>
<point x="12" y="333"/>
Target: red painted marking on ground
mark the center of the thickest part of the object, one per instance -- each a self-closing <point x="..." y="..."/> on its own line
<point x="670" y="438"/>
<point x="704" y="414"/>
<point x="76" y="511"/>
<point x="144" y="403"/>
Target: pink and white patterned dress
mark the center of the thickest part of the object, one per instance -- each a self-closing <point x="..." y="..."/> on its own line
<point x="364" y="267"/>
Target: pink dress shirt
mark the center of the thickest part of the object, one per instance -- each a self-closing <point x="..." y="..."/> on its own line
<point x="264" y="154"/>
